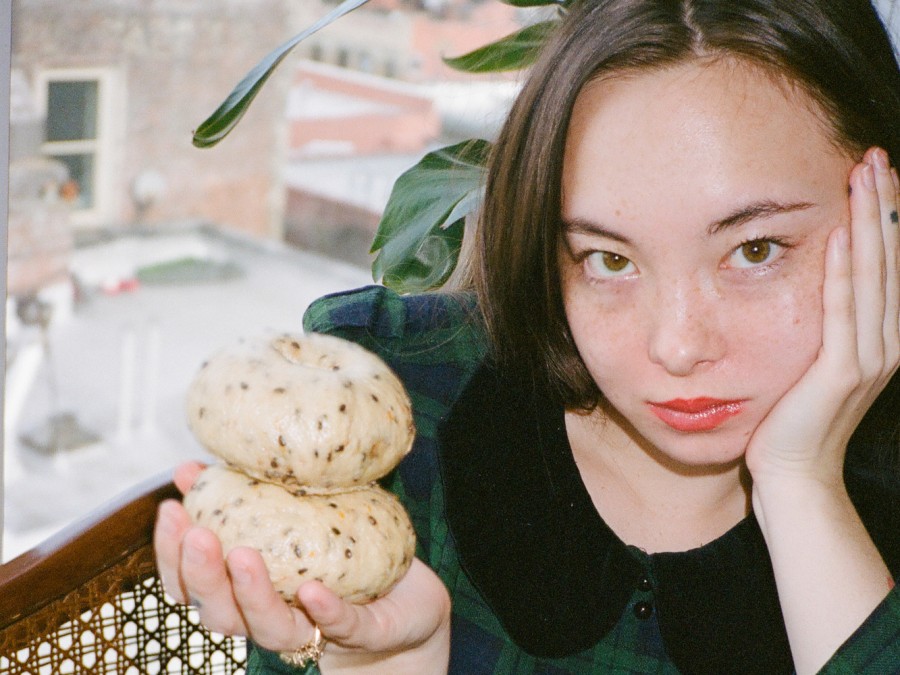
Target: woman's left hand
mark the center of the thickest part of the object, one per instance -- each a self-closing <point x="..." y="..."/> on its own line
<point x="829" y="574"/>
<point x="806" y="433"/>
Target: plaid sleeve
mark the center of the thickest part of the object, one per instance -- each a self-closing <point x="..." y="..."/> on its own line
<point x="874" y="649"/>
<point x="433" y="344"/>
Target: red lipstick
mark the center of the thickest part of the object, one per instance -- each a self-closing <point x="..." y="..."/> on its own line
<point x="695" y="414"/>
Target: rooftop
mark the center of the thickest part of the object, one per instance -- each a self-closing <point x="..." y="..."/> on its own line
<point x="150" y="306"/>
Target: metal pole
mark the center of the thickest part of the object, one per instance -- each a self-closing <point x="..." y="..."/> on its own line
<point x="5" y="66"/>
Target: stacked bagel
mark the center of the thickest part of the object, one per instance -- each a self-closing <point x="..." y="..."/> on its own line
<point x="305" y="425"/>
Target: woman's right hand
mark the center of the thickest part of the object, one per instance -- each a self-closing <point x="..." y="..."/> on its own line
<point x="405" y="631"/>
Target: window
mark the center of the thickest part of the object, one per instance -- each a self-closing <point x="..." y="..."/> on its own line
<point x="78" y="134"/>
<point x="72" y="134"/>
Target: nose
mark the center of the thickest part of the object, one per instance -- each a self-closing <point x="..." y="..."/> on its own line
<point x="685" y="331"/>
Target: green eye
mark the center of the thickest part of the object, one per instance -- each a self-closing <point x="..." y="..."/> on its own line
<point x="608" y="264"/>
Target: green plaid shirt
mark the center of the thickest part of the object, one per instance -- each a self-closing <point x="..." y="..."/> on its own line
<point x="435" y="345"/>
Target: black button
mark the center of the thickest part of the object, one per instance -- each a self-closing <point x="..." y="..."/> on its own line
<point x="644" y="584"/>
<point x="643" y="610"/>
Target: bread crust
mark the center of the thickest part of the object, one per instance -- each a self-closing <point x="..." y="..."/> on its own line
<point x="312" y="411"/>
<point x="358" y="542"/>
<point x="304" y="426"/>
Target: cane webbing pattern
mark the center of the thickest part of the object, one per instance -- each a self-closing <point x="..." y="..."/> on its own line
<point x="120" y="622"/>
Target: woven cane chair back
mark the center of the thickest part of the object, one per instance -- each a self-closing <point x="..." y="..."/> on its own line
<point x="89" y="601"/>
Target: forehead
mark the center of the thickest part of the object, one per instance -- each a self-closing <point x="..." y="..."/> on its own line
<point x="702" y="135"/>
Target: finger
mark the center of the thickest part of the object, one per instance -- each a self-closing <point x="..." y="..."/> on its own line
<point x="886" y="181"/>
<point x="207" y="582"/>
<point x="888" y="198"/>
<point x="408" y="615"/>
<point x="186" y="474"/>
<point x="839" y="333"/>
<point x="867" y="267"/>
<point x="270" y="621"/>
<point x="340" y="621"/>
<point x="172" y="522"/>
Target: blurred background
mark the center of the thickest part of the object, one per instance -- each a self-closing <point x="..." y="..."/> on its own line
<point x="133" y="255"/>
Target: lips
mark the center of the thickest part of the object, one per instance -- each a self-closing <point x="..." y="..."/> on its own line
<point x="696" y="414"/>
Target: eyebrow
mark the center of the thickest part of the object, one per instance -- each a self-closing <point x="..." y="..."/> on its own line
<point x="766" y="208"/>
<point x="584" y="226"/>
<point x="762" y="209"/>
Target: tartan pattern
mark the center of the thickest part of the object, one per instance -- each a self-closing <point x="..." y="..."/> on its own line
<point x="875" y="647"/>
<point x="434" y="344"/>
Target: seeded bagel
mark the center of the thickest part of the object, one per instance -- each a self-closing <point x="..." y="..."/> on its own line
<point x="358" y="542"/>
<point x="310" y="411"/>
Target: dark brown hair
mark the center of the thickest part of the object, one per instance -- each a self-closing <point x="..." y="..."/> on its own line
<point x="837" y="51"/>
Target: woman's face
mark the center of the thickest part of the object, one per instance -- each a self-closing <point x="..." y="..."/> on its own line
<point x="697" y="201"/>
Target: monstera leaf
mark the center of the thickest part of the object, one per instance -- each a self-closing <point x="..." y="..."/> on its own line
<point x="420" y="234"/>
<point x="218" y="125"/>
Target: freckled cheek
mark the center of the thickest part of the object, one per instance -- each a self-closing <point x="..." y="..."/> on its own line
<point x="780" y="333"/>
<point x="607" y="337"/>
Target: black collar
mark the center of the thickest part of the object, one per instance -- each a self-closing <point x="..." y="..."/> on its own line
<point x="559" y="579"/>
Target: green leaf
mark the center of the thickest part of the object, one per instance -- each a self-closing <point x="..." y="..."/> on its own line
<point x="218" y="125"/>
<point x="513" y="52"/>
<point x="420" y="233"/>
<point x="433" y="263"/>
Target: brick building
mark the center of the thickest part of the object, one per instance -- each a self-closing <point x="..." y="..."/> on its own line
<point x="122" y="83"/>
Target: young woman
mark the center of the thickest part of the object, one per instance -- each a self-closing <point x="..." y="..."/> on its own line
<point x="659" y="434"/>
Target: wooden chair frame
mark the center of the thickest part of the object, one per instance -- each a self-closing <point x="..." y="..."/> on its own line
<point x="89" y="600"/>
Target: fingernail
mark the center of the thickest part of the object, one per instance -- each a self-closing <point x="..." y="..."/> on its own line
<point x="881" y="160"/>
<point x="868" y="177"/>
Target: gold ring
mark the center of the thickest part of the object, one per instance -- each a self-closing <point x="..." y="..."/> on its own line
<point x="311" y="652"/>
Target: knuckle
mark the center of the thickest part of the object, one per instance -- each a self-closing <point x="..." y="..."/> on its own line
<point x="852" y="377"/>
<point x="873" y="370"/>
<point x="345" y="625"/>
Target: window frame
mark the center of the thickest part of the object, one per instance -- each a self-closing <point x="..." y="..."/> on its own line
<point x="103" y="147"/>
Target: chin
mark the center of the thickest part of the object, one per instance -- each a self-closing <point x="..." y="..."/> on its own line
<point x="689" y="452"/>
<point x="699" y="458"/>
<point x="711" y="452"/>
